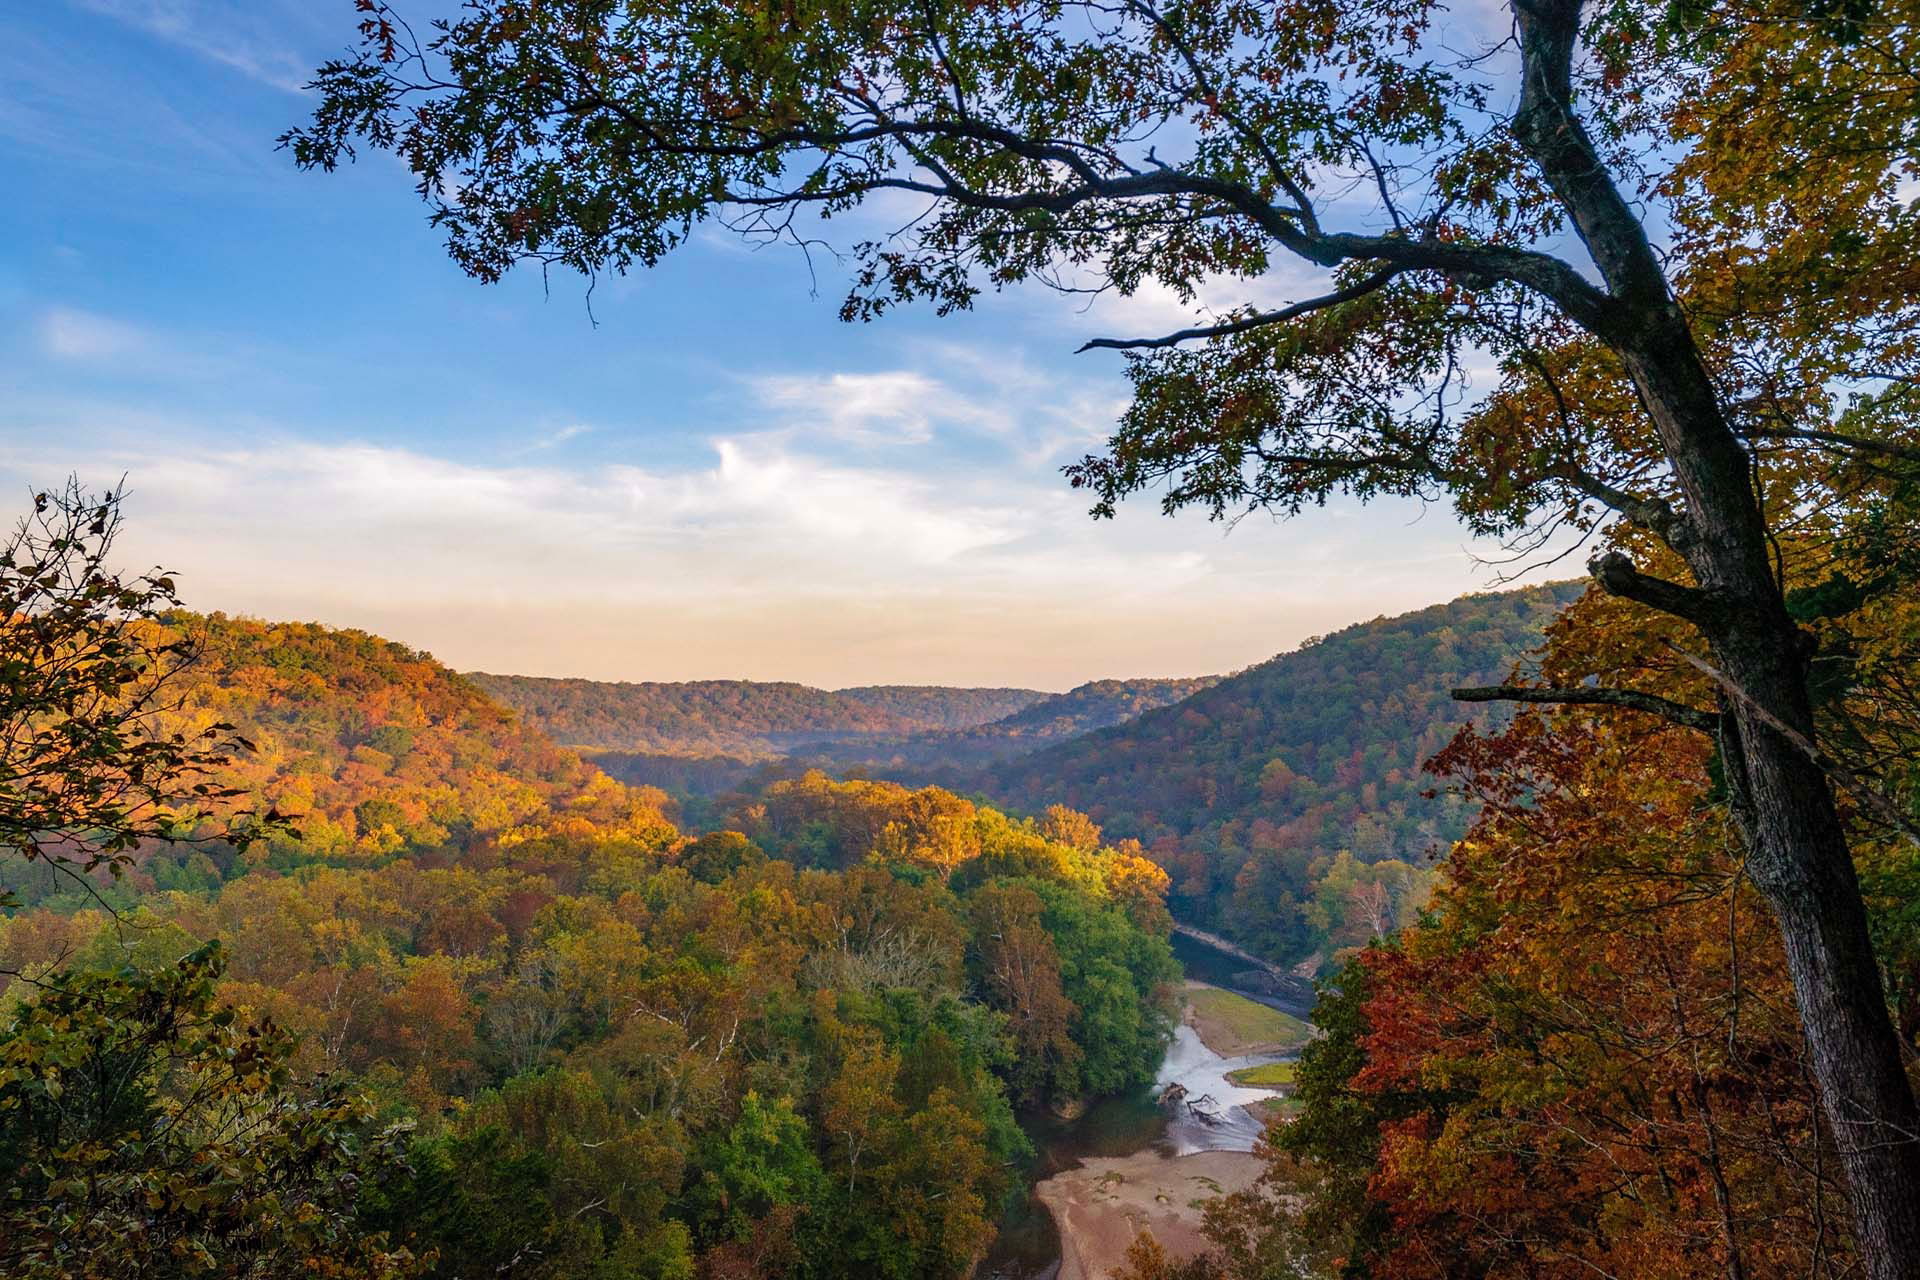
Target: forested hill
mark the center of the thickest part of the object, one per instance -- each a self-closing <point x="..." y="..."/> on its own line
<point x="1097" y="705"/>
<point x="742" y="718"/>
<point x="1246" y="790"/>
<point x="373" y="749"/>
<point x="946" y="755"/>
<point x="495" y="1007"/>
<point x="702" y="735"/>
<point x="932" y="707"/>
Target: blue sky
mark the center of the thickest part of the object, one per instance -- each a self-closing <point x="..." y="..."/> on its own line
<point x="320" y="417"/>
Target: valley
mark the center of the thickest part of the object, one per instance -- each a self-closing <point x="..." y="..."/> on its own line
<point x="1287" y="801"/>
<point x="481" y="925"/>
<point x="1016" y="388"/>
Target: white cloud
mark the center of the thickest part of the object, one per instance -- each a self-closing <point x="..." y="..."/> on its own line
<point x="782" y="553"/>
<point x="72" y="334"/>
<point x="862" y="408"/>
<point x="953" y="393"/>
<point x="554" y="439"/>
<point x="1154" y="309"/>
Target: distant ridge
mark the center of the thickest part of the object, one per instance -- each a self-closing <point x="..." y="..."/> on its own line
<point x="944" y="755"/>
<point x="748" y="719"/>
<point x="1247" y="787"/>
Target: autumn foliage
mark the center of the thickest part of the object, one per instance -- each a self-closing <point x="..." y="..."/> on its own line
<point x="609" y="1048"/>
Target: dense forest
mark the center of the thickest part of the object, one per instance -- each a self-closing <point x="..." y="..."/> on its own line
<point x="1584" y="1056"/>
<point x="949" y="755"/>
<point x="794" y="1048"/>
<point x="742" y="718"/>
<point x="1252" y="791"/>
<point x="372" y="749"/>
<point x="1287" y="801"/>
<point x="704" y="737"/>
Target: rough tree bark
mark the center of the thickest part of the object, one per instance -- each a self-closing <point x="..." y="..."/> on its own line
<point x="1797" y="848"/>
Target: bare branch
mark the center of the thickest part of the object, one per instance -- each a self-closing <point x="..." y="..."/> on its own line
<point x="1371" y="284"/>
<point x="1652" y="704"/>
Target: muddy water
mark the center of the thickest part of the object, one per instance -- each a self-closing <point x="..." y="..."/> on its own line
<point x="1028" y="1245"/>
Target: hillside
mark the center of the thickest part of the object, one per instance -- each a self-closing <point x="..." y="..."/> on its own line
<point x="1245" y="790"/>
<point x="743" y="718"/>
<point x="374" y="749"/>
<point x="937" y="755"/>
<point x="1095" y="705"/>
<point x="703" y="737"/>
<point x="931" y="708"/>
<point x="587" y="1039"/>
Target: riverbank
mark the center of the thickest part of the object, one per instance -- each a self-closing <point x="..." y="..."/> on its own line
<point x="1233" y="1026"/>
<point x="1102" y="1203"/>
<point x="1101" y="1206"/>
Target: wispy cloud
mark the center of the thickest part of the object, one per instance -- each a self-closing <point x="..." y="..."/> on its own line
<point x="246" y="37"/>
<point x="954" y="392"/>
<point x="898" y="407"/>
<point x="554" y="439"/>
<point x="766" y="559"/>
<point x="161" y="120"/>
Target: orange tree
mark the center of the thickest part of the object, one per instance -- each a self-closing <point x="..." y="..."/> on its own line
<point x="1674" y="228"/>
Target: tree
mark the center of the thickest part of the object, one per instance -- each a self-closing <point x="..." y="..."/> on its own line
<point x="1605" y="1006"/>
<point x="1018" y="970"/>
<point x="764" y="1163"/>
<point x="1653" y="382"/>
<point x="147" y="1131"/>
<point x="89" y="765"/>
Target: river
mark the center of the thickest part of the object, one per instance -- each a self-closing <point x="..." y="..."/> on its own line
<point x="1028" y="1244"/>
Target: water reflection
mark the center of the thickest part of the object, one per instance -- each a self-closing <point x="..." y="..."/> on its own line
<point x="1028" y="1244"/>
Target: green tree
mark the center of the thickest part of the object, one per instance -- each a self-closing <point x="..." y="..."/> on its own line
<point x="764" y="1162"/>
<point x="1660" y="381"/>
<point x="145" y="1130"/>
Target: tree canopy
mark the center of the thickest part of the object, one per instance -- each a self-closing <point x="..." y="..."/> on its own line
<point x="484" y="1010"/>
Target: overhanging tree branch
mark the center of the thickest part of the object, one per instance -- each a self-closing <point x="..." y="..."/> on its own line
<point x="1837" y="440"/>
<point x="1652" y="704"/>
<point x="1371" y="284"/>
<point x="1617" y="576"/>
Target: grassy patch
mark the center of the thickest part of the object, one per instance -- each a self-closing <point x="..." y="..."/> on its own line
<point x="1232" y="1024"/>
<point x="1268" y="1075"/>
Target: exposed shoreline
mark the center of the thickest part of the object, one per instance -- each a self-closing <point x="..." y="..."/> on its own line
<point x="1222" y="1034"/>
<point x="1103" y="1204"/>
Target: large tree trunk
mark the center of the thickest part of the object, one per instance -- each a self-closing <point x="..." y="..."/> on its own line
<point x="1797" y="846"/>
<point x="1798" y="857"/>
<point x="1796" y="843"/>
